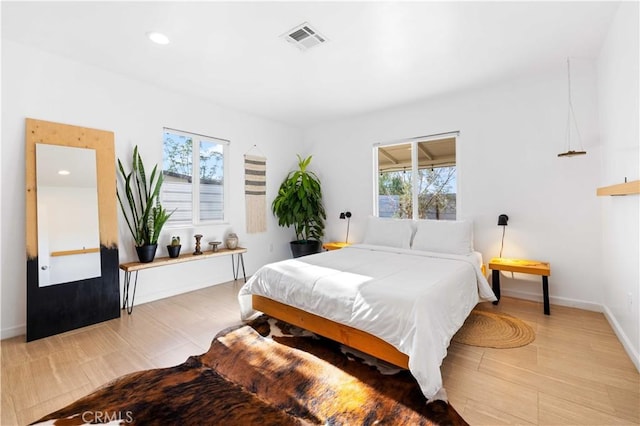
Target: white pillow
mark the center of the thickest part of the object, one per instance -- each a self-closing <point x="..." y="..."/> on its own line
<point x="389" y="232"/>
<point x="444" y="236"/>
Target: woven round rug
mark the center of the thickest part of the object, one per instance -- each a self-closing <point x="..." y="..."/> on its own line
<point x="494" y="330"/>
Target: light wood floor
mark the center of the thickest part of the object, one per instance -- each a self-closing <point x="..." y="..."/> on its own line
<point x="576" y="372"/>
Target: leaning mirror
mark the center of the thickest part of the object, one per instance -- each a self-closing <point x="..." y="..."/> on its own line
<point x="71" y="227"/>
<point x="68" y="224"/>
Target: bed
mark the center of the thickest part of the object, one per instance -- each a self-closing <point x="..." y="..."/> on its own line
<point x="400" y="295"/>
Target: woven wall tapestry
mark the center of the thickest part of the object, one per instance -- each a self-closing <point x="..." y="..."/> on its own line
<point x="255" y="192"/>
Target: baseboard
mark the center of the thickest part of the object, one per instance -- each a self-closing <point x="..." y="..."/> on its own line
<point x="7" y="333"/>
<point x="622" y="336"/>
<point x="554" y="300"/>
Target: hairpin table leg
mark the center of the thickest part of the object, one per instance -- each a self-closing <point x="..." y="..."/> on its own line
<point x="236" y="266"/>
<point x="125" y="296"/>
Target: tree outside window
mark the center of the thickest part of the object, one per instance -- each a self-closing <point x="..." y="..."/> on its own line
<point x="435" y="192"/>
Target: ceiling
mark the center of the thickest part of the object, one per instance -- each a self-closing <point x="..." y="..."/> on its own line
<point x="378" y="54"/>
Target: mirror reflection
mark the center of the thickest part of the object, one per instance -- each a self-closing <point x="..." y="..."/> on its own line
<point x="67" y="214"/>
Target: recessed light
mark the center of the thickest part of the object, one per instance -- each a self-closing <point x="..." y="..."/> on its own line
<point x="158" y="38"/>
<point x="64" y="172"/>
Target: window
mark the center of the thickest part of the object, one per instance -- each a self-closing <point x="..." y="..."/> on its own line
<point x="420" y="172"/>
<point x="200" y="200"/>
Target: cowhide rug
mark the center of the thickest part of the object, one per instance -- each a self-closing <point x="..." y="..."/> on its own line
<point x="295" y="378"/>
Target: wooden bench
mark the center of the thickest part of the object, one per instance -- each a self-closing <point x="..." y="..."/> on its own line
<point x="130" y="267"/>
<point x="524" y="266"/>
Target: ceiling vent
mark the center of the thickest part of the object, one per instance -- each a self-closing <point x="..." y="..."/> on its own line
<point x="304" y="37"/>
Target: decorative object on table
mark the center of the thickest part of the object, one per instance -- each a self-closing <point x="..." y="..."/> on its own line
<point x="502" y="221"/>
<point x="231" y="242"/>
<point x="197" y="237"/>
<point x="489" y="329"/>
<point x="299" y="204"/>
<point x="255" y="184"/>
<point x="571" y="118"/>
<point x="144" y="214"/>
<point x="174" y="247"/>
<point x="214" y="245"/>
<point x="346" y="215"/>
<point x="233" y="383"/>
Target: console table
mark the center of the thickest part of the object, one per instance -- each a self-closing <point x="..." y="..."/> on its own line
<point x="130" y="267"/>
<point x="524" y="266"/>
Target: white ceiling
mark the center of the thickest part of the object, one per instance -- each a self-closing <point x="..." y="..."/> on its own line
<point x="379" y="54"/>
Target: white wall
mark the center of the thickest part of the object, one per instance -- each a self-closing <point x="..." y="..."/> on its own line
<point x="618" y="74"/>
<point x="510" y="135"/>
<point x="39" y="85"/>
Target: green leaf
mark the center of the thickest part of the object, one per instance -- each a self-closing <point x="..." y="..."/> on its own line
<point x="298" y="203"/>
<point x="144" y="214"/>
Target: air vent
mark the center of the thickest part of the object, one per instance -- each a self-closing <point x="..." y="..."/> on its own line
<point x="304" y="37"/>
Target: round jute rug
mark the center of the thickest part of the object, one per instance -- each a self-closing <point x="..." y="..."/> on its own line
<point x="494" y="330"/>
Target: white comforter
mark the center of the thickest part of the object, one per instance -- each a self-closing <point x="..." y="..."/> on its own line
<point x="414" y="300"/>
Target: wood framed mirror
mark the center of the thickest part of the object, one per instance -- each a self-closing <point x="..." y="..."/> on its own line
<point x="71" y="228"/>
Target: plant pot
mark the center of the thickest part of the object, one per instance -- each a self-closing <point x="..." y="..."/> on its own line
<point x="174" y="251"/>
<point x="305" y="247"/>
<point x="146" y="253"/>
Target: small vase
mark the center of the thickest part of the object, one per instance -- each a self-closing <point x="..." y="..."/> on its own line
<point x="231" y="242"/>
<point x="146" y="253"/>
<point x="174" y="251"/>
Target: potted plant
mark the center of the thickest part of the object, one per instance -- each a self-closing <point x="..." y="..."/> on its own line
<point x="174" y="247"/>
<point x="143" y="213"/>
<point x="299" y="204"/>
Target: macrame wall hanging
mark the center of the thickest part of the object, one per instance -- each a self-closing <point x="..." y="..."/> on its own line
<point x="255" y="192"/>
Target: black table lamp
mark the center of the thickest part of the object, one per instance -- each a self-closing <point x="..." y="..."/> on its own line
<point x="346" y="215"/>
<point x="502" y="221"/>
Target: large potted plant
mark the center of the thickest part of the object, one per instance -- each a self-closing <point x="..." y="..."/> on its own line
<point x="143" y="212"/>
<point x="299" y="205"/>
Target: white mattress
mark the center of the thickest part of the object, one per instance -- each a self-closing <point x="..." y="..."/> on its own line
<point x="414" y="300"/>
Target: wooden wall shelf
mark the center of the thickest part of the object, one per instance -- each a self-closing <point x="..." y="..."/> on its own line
<point x="626" y="188"/>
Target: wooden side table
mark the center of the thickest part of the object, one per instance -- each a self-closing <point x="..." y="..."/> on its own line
<point x="524" y="266"/>
<point x="335" y="245"/>
<point x="136" y="267"/>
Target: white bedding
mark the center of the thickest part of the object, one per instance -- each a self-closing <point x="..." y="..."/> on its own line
<point x="414" y="300"/>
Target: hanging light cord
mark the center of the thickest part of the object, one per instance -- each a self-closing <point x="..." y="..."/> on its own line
<point x="346" y="240"/>
<point x="571" y="113"/>
<point x="502" y="242"/>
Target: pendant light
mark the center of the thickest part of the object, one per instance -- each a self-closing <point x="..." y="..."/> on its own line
<point x="571" y="117"/>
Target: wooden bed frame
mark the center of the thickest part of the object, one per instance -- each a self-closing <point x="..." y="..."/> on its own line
<point x="349" y="336"/>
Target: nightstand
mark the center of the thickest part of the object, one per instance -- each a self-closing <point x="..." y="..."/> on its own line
<point x="524" y="266"/>
<point x="334" y="245"/>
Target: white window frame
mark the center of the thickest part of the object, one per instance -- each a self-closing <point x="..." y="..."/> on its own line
<point x="414" y="168"/>
<point x="195" y="181"/>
